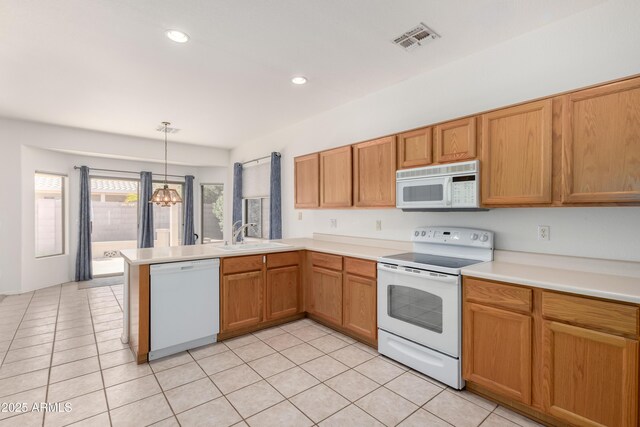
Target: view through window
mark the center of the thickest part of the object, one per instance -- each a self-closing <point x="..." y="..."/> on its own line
<point x="49" y="214"/>
<point x="212" y="214"/>
<point x="168" y="221"/>
<point x="114" y="222"/>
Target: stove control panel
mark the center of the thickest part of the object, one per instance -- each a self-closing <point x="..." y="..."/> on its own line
<point x="453" y="236"/>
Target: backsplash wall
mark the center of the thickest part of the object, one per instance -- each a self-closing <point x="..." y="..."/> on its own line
<point x="612" y="233"/>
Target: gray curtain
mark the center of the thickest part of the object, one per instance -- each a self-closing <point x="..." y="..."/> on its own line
<point x="83" y="256"/>
<point x="145" y="227"/>
<point x="237" y="195"/>
<point x="188" y="234"/>
<point x="275" y="203"/>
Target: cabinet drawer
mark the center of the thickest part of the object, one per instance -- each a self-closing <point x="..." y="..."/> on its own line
<point x="283" y="259"/>
<point x="360" y="267"/>
<point x="242" y="264"/>
<point x="332" y="262"/>
<point x="505" y="296"/>
<point x="600" y="315"/>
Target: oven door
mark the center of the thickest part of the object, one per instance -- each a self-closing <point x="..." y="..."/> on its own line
<point x="419" y="193"/>
<point x="421" y="306"/>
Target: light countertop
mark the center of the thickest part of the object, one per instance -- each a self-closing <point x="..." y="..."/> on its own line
<point x="189" y="253"/>
<point x="615" y="280"/>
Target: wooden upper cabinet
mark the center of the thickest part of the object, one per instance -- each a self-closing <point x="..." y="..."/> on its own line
<point x="415" y="148"/>
<point x="497" y="350"/>
<point x="455" y="141"/>
<point x="374" y="171"/>
<point x="307" y="181"/>
<point x="601" y="144"/>
<point x="336" y="178"/>
<point x="516" y="155"/>
<point x="589" y="378"/>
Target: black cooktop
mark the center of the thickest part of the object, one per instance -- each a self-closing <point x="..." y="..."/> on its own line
<point x="435" y="260"/>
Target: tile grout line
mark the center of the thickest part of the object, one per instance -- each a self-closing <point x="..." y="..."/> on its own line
<point x="17" y="328"/>
<point x="104" y="387"/>
<point x="46" y="395"/>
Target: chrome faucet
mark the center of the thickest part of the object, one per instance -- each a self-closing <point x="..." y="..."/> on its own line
<point x="238" y="229"/>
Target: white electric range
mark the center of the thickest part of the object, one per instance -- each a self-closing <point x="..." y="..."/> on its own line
<point x="420" y="301"/>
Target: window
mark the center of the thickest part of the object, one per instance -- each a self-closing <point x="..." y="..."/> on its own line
<point x="212" y="204"/>
<point x="49" y="214"/>
<point x="256" y="211"/>
<point x="168" y="221"/>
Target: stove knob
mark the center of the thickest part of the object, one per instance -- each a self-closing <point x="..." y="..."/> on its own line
<point x="474" y="236"/>
<point x="484" y="238"/>
<point x="417" y="233"/>
<point x="424" y="233"/>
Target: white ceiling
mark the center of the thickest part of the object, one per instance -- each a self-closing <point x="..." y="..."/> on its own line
<point x="107" y="65"/>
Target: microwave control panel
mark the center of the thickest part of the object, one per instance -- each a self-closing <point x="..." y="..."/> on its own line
<point x="464" y="191"/>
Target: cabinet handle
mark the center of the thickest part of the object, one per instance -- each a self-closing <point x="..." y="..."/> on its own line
<point x="264" y="259"/>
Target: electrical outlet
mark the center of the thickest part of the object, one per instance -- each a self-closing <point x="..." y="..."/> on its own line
<point x="544" y="232"/>
<point x="333" y="223"/>
<point x="378" y="225"/>
<point x="299" y="216"/>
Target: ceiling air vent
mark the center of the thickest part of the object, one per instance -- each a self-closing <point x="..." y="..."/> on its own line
<point x="415" y="37"/>
<point x="160" y="128"/>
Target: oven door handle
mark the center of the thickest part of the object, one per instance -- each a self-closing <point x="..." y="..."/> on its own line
<point x="418" y="273"/>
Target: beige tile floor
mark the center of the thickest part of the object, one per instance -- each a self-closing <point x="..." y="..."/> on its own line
<point x="62" y="344"/>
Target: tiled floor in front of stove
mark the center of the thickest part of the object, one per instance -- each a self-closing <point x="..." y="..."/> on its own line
<point x="62" y="344"/>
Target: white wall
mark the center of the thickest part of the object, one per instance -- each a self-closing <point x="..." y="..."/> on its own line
<point x="594" y="46"/>
<point x="27" y="147"/>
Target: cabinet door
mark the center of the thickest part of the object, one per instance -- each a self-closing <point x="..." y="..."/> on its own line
<point x="241" y="300"/>
<point x="456" y="141"/>
<point x="326" y="294"/>
<point x="283" y="292"/>
<point x="415" y="148"/>
<point x="589" y="378"/>
<point x="374" y="171"/>
<point x="307" y="181"/>
<point x="516" y="155"/>
<point x="496" y="350"/>
<point x="360" y="306"/>
<point x="335" y="178"/>
<point x="601" y="144"/>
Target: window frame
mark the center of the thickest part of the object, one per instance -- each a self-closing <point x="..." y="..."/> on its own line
<point x="63" y="200"/>
<point x="245" y="220"/>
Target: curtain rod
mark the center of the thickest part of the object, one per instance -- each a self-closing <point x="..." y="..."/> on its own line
<point x="122" y="171"/>
<point x="259" y="158"/>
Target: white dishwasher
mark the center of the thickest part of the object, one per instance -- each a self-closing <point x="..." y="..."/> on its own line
<point x="185" y="304"/>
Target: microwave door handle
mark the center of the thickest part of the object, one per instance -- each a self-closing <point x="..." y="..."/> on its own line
<point x="448" y="191"/>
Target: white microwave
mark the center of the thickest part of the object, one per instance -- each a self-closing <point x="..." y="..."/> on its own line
<point x="448" y="187"/>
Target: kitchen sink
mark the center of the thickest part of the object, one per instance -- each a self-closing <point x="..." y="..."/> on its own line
<point x="243" y="247"/>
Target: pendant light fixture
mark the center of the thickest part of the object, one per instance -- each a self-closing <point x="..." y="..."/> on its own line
<point x="165" y="197"/>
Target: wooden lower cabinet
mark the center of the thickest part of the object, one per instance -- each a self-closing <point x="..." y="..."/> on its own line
<point x="325" y="299"/>
<point x="590" y="378"/>
<point x="497" y="350"/>
<point x="359" y="306"/>
<point x="283" y="292"/>
<point x="241" y="300"/>
<point x="569" y="359"/>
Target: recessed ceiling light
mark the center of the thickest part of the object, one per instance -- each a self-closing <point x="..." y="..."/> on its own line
<point x="177" y="36"/>
<point x="299" y="80"/>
